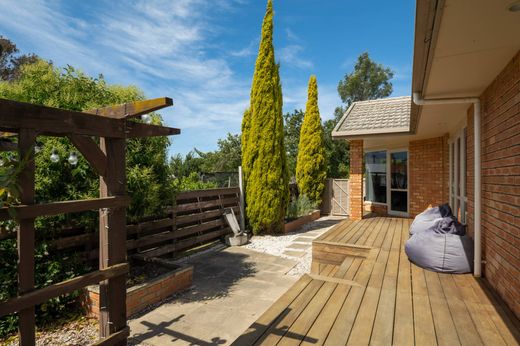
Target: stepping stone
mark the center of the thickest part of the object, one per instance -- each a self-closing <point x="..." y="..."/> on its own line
<point x="312" y="234"/>
<point x="294" y="253"/>
<point x="303" y="240"/>
<point x="298" y="246"/>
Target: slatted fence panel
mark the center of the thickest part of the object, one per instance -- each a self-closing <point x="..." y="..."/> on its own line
<point x="195" y="220"/>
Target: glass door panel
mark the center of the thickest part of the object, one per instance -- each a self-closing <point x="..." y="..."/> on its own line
<point x="375" y="169"/>
<point x="399" y="181"/>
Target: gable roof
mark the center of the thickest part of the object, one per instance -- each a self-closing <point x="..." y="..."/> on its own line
<point x="374" y="117"/>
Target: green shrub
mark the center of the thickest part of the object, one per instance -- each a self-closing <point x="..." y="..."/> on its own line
<point x="300" y="206"/>
<point x="192" y="182"/>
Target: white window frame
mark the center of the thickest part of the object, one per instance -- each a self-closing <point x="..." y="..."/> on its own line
<point x="458" y="198"/>
<point x="389" y="189"/>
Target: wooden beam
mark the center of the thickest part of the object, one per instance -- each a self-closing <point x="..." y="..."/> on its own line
<point x="90" y="150"/>
<point x="42" y="295"/>
<point x="26" y="239"/>
<point x="56" y="208"/>
<point x="134" y="130"/>
<point x="56" y="122"/>
<point x="132" y="109"/>
<point x="8" y="145"/>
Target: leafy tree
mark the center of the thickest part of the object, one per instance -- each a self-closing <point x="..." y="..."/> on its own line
<point x="338" y="157"/>
<point x="11" y="61"/>
<point x="292" y="126"/>
<point x="147" y="168"/>
<point x="226" y="158"/>
<point x="312" y="162"/>
<point x="369" y="81"/>
<point x="267" y="193"/>
<point x="182" y="167"/>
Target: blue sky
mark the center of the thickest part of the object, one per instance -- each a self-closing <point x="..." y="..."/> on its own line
<point x="201" y="53"/>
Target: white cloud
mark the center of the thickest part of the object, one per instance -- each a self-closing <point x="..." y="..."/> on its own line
<point x="291" y="36"/>
<point x="290" y="56"/>
<point x="165" y="47"/>
<point x="249" y="50"/>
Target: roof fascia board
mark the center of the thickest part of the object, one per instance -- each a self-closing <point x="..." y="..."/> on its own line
<point x="428" y="19"/>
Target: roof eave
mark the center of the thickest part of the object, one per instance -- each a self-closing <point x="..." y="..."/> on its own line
<point x="370" y="133"/>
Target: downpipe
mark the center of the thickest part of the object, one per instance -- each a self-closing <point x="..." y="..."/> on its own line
<point x="418" y="100"/>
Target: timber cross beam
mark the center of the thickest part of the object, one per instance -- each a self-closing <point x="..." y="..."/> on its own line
<point x="112" y="125"/>
<point x="50" y="121"/>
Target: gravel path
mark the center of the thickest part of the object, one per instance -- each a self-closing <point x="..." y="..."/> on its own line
<point x="294" y="245"/>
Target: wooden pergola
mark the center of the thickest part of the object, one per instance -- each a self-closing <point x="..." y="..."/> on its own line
<point x="112" y="125"/>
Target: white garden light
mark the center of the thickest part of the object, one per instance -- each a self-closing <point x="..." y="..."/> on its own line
<point x="146" y="118"/>
<point x="73" y="158"/>
<point x="54" y="156"/>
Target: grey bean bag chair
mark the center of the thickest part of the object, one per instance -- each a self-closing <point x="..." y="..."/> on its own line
<point x="429" y="218"/>
<point x="442" y="247"/>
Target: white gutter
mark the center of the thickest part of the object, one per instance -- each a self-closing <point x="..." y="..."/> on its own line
<point x="418" y="100"/>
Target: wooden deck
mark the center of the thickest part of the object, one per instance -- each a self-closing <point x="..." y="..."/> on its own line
<point x="363" y="290"/>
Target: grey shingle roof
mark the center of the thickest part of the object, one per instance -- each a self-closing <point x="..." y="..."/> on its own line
<point x="382" y="116"/>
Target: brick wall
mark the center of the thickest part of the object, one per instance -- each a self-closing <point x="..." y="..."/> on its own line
<point x="428" y="173"/>
<point x="500" y="133"/>
<point x="356" y="180"/>
<point x="379" y="209"/>
<point x="141" y="296"/>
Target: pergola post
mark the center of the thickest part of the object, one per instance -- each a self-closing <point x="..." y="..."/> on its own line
<point x="25" y="235"/>
<point x="112" y="238"/>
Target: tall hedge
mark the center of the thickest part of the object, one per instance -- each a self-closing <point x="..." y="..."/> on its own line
<point x="311" y="166"/>
<point x="264" y="157"/>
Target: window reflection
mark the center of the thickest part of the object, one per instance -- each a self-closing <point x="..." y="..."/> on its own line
<point x="375" y="166"/>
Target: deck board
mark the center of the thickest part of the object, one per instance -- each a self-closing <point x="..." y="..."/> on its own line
<point x="381" y="298"/>
<point x="403" y="318"/>
<point x="382" y="332"/>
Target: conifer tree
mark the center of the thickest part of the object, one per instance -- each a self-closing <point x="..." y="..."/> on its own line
<point x="246" y="160"/>
<point x="311" y="166"/>
<point x="264" y="157"/>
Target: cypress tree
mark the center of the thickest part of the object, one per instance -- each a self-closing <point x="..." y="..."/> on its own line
<point x="311" y="165"/>
<point x="246" y="161"/>
<point x="264" y="158"/>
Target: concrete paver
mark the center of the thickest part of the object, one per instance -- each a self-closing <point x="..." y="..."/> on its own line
<point x="231" y="289"/>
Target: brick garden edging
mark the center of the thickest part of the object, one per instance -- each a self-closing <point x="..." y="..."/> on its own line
<point x="140" y="296"/>
<point x="299" y="222"/>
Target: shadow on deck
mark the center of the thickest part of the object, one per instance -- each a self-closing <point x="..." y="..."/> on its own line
<point x="363" y="289"/>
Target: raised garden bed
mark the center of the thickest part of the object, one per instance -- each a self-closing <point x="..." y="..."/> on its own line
<point x="143" y="290"/>
<point x="296" y="224"/>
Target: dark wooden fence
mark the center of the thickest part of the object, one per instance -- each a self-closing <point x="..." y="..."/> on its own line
<point x="195" y="220"/>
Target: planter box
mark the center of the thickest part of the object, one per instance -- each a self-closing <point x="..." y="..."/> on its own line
<point x="302" y="220"/>
<point x="140" y="296"/>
